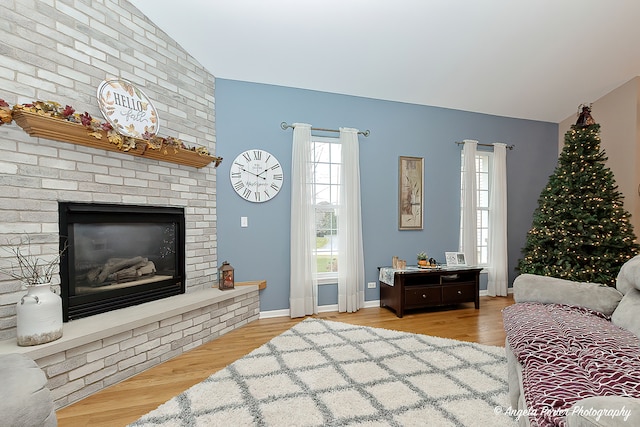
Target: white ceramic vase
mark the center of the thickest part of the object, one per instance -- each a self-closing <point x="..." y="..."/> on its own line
<point x="39" y="316"/>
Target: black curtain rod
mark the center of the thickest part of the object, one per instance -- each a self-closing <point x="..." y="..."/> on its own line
<point x="510" y="147"/>
<point x="286" y="126"/>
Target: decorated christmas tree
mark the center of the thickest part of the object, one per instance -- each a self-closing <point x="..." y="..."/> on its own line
<point x="580" y="229"/>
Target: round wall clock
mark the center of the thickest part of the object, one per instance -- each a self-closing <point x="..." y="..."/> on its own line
<point x="256" y="175"/>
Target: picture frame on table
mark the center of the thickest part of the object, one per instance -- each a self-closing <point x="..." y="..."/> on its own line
<point x="410" y="193"/>
<point x="455" y="259"/>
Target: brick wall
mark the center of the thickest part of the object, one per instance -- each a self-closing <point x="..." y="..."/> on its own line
<point x="60" y="50"/>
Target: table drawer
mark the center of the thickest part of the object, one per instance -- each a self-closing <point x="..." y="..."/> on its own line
<point x="421" y="296"/>
<point x="462" y="292"/>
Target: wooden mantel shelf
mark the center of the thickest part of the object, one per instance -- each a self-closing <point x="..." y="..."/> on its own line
<point x="37" y="125"/>
<point x="262" y="284"/>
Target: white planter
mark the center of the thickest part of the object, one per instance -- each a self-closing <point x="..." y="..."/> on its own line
<point x="39" y="316"/>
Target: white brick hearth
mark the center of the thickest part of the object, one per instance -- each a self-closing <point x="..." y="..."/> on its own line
<point x="101" y="350"/>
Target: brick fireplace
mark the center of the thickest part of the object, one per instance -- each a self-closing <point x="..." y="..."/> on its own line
<point x="103" y="349"/>
<point x="63" y="61"/>
<point x="36" y="174"/>
<point x="61" y="189"/>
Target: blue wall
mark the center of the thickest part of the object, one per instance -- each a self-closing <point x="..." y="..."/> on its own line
<point x="248" y="115"/>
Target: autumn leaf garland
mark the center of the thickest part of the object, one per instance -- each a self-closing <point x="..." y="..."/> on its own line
<point x="95" y="127"/>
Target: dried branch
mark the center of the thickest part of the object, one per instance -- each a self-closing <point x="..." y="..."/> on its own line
<point x="29" y="268"/>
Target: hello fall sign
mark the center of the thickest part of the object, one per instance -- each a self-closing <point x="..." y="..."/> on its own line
<point x="127" y="108"/>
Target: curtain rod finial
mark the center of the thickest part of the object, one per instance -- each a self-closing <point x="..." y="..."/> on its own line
<point x="284" y="125"/>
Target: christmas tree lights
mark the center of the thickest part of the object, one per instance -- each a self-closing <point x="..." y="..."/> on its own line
<point x="580" y="229"/>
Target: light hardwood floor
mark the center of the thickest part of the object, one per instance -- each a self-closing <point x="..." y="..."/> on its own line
<point x="127" y="401"/>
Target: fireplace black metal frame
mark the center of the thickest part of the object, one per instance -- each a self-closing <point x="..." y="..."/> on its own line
<point x="78" y="306"/>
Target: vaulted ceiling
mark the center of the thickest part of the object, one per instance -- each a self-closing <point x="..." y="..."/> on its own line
<point x="535" y="59"/>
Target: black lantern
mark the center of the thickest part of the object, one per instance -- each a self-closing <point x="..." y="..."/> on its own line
<point x="225" y="276"/>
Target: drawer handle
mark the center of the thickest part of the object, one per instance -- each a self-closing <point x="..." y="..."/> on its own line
<point x="424" y="296"/>
<point x="459" y="292"/>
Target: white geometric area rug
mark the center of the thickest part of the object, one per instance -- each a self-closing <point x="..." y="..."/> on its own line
<point x="325" y="373"/>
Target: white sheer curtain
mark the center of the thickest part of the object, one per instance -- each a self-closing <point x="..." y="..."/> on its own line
<point x="499" y="271"/>
<point x="468" y="234"/>
<point x="350" y="253"/>
<point x="303" y="297"/>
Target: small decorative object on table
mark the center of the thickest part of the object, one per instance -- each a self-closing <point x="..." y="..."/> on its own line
<point x="398" y="264"/>
<point x="455" y="259"/>
<point x="225" y="277"/>
<point x="422" y="259"/>
<point x="39" y="312"/>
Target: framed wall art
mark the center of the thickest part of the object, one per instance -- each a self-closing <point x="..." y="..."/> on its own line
<point x="410" y="192"/>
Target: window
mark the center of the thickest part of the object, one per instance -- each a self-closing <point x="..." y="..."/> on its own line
<point x="483" y="168"/>
<point x="327" y="160"/>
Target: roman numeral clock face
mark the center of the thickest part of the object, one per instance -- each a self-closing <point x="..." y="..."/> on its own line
<point x="256" y="175"/>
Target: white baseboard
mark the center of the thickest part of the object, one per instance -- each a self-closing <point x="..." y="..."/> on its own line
<point x="275" y="313"/>
<point x="484" y="293"/>
<point x="321" y="309"/>
<point x="334" y="307"/>
<point x="374" y="303"/>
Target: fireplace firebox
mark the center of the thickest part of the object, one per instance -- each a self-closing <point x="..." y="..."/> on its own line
<point x="117" y="256"/>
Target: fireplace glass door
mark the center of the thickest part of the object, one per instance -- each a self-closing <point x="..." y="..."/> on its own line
<point x="119" y="255"/>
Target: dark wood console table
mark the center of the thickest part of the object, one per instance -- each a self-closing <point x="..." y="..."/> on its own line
<point x="419" y="288"/>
